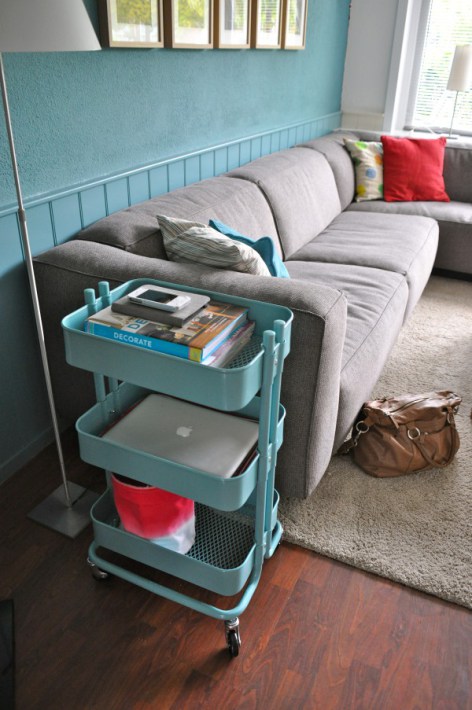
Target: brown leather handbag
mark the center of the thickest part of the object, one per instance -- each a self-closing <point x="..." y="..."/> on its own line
<point x="399" y="435"/>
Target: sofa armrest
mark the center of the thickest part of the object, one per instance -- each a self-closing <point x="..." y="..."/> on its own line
<point x="310" y="389"/>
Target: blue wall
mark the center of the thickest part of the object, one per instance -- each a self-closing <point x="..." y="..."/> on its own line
<point x="79" y="117"/>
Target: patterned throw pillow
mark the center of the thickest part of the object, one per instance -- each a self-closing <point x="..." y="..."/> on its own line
<point x="368" y="166"/>
<point x="194" y="243"/>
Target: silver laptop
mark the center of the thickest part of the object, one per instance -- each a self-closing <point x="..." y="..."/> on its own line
<point x="186" y="433"/>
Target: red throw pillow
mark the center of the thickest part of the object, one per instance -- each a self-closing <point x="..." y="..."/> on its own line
<point x="413" y="169"/>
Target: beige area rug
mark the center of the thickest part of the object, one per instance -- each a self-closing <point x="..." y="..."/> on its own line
<point x="415" y="529"/>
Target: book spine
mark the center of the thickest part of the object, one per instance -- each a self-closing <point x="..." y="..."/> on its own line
<point x="217" y="341"/>
<point x="144" y="341"/>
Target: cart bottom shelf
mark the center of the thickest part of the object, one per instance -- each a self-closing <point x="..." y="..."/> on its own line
<point x="221" y="560"/>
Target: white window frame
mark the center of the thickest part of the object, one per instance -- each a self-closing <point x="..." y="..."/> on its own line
<point x="410" y="29"/>
<point x="407" y="49"/>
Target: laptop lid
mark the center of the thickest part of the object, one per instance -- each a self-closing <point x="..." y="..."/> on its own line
<point x="187" y="433"/>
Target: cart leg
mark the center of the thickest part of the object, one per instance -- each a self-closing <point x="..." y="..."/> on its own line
<point x="233" y="639"/>
<point x="97" y="573"/>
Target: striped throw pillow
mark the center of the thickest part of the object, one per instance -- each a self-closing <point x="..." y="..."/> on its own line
<point x="194" y="243"/>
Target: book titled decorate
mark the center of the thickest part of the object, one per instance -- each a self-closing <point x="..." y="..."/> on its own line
<point x="195" y="340"/>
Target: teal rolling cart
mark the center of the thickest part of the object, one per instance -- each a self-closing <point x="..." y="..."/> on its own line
<point x="236" y="518"/>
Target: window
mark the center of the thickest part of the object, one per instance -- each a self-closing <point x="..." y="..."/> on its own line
<point x="444" y="24"/>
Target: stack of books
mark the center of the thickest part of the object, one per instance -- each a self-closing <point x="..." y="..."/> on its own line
<point x="213" y="336"/>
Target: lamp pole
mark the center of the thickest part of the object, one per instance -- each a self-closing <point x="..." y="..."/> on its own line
<point x="46" y="26"/>
<point x="32" y="281"/>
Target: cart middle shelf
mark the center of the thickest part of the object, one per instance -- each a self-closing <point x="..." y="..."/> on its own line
<point x="222" y="493"/>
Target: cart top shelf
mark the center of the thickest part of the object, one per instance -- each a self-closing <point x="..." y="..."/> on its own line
<point x="222" y="388"/>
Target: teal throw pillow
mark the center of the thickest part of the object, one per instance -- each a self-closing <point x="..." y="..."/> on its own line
<point x="264" y="247"/>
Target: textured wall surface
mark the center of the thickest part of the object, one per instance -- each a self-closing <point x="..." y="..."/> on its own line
<point x="79" y="117"/>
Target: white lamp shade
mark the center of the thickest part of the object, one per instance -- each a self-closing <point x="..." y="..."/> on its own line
<point x="460" y="78"/>
<point x="45" y="26"/>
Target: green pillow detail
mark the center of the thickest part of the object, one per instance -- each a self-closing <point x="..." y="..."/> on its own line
<point x="367" y="158"/>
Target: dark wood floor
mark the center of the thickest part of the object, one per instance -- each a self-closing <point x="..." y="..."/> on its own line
<point x="317" y="634"/>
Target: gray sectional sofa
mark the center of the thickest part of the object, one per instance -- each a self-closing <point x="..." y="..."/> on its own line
<point x="357" y="271"/>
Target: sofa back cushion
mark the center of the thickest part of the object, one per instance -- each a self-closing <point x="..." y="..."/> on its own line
<point x="236" y="202"/>
<point x="334" y="150"/>
<point x="300" y="188"/>
<point x="458" y="171"/>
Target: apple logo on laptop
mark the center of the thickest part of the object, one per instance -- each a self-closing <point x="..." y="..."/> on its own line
<point x="184" y="431"/>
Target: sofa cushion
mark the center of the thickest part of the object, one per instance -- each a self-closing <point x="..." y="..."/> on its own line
<point x="333" y="148"/>
<point x="368" y="239"/>
<point x="300" y="188"/>
<point x="460" y="212"/>
<point x="236" y="202"/>
<point x="406" y="245"/>
<point x="368" y="291"/>
<point x="376" y="304"/>
<point x="413" y="169"/>
<point x="458" y="171"/>
<point x="455" y="228"/>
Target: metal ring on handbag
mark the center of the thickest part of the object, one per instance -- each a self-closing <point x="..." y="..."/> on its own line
<point x="412" y="431"/>
<point x="365" y="428"/>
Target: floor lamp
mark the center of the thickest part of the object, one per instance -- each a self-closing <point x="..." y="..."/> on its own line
<point x="46" y="26"/>
<point x="460" y="77"/>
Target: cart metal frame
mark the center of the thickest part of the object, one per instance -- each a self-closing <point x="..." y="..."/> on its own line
<point x="240" y="510"/>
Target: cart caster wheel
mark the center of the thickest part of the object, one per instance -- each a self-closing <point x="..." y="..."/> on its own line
<point x="97" y="573"/>
<point x="233" y="639"/>
<point x="233" y="644"/>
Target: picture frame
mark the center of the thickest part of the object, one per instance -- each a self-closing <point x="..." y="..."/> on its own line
<point x="188" y="24"/>
<point x="266" y="30"/>
<point x="232" y="24"/>
<point x="294" y="24"/>
<point x="131" y="23"/>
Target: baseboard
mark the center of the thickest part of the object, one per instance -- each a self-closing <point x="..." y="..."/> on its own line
<point x="24" y="456"/>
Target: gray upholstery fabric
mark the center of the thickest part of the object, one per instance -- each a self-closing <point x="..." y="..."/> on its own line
<point x="362" y="371"/>
<point x="458" y="171"/>
<point x="355" y="277"/>
<point x="368" y="292"/>
<point x="134" y="229"/>
<point x="377" y="301"/>
<point x="300" y="188"/>
<point x="312" y="370"/>
<point x="455" y="247"/>
<point x="332" y="147"/>
<point x="454" y="219"/>
<point x="238" y="203"/>
<point x="460" y="212"/>
<point x="403" y="244"/>
<point x="367" y="239"/>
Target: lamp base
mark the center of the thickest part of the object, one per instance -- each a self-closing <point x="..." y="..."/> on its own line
<point x="54" y="512"/>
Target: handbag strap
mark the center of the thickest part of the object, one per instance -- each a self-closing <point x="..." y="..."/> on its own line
<point x="419" y="445"/>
